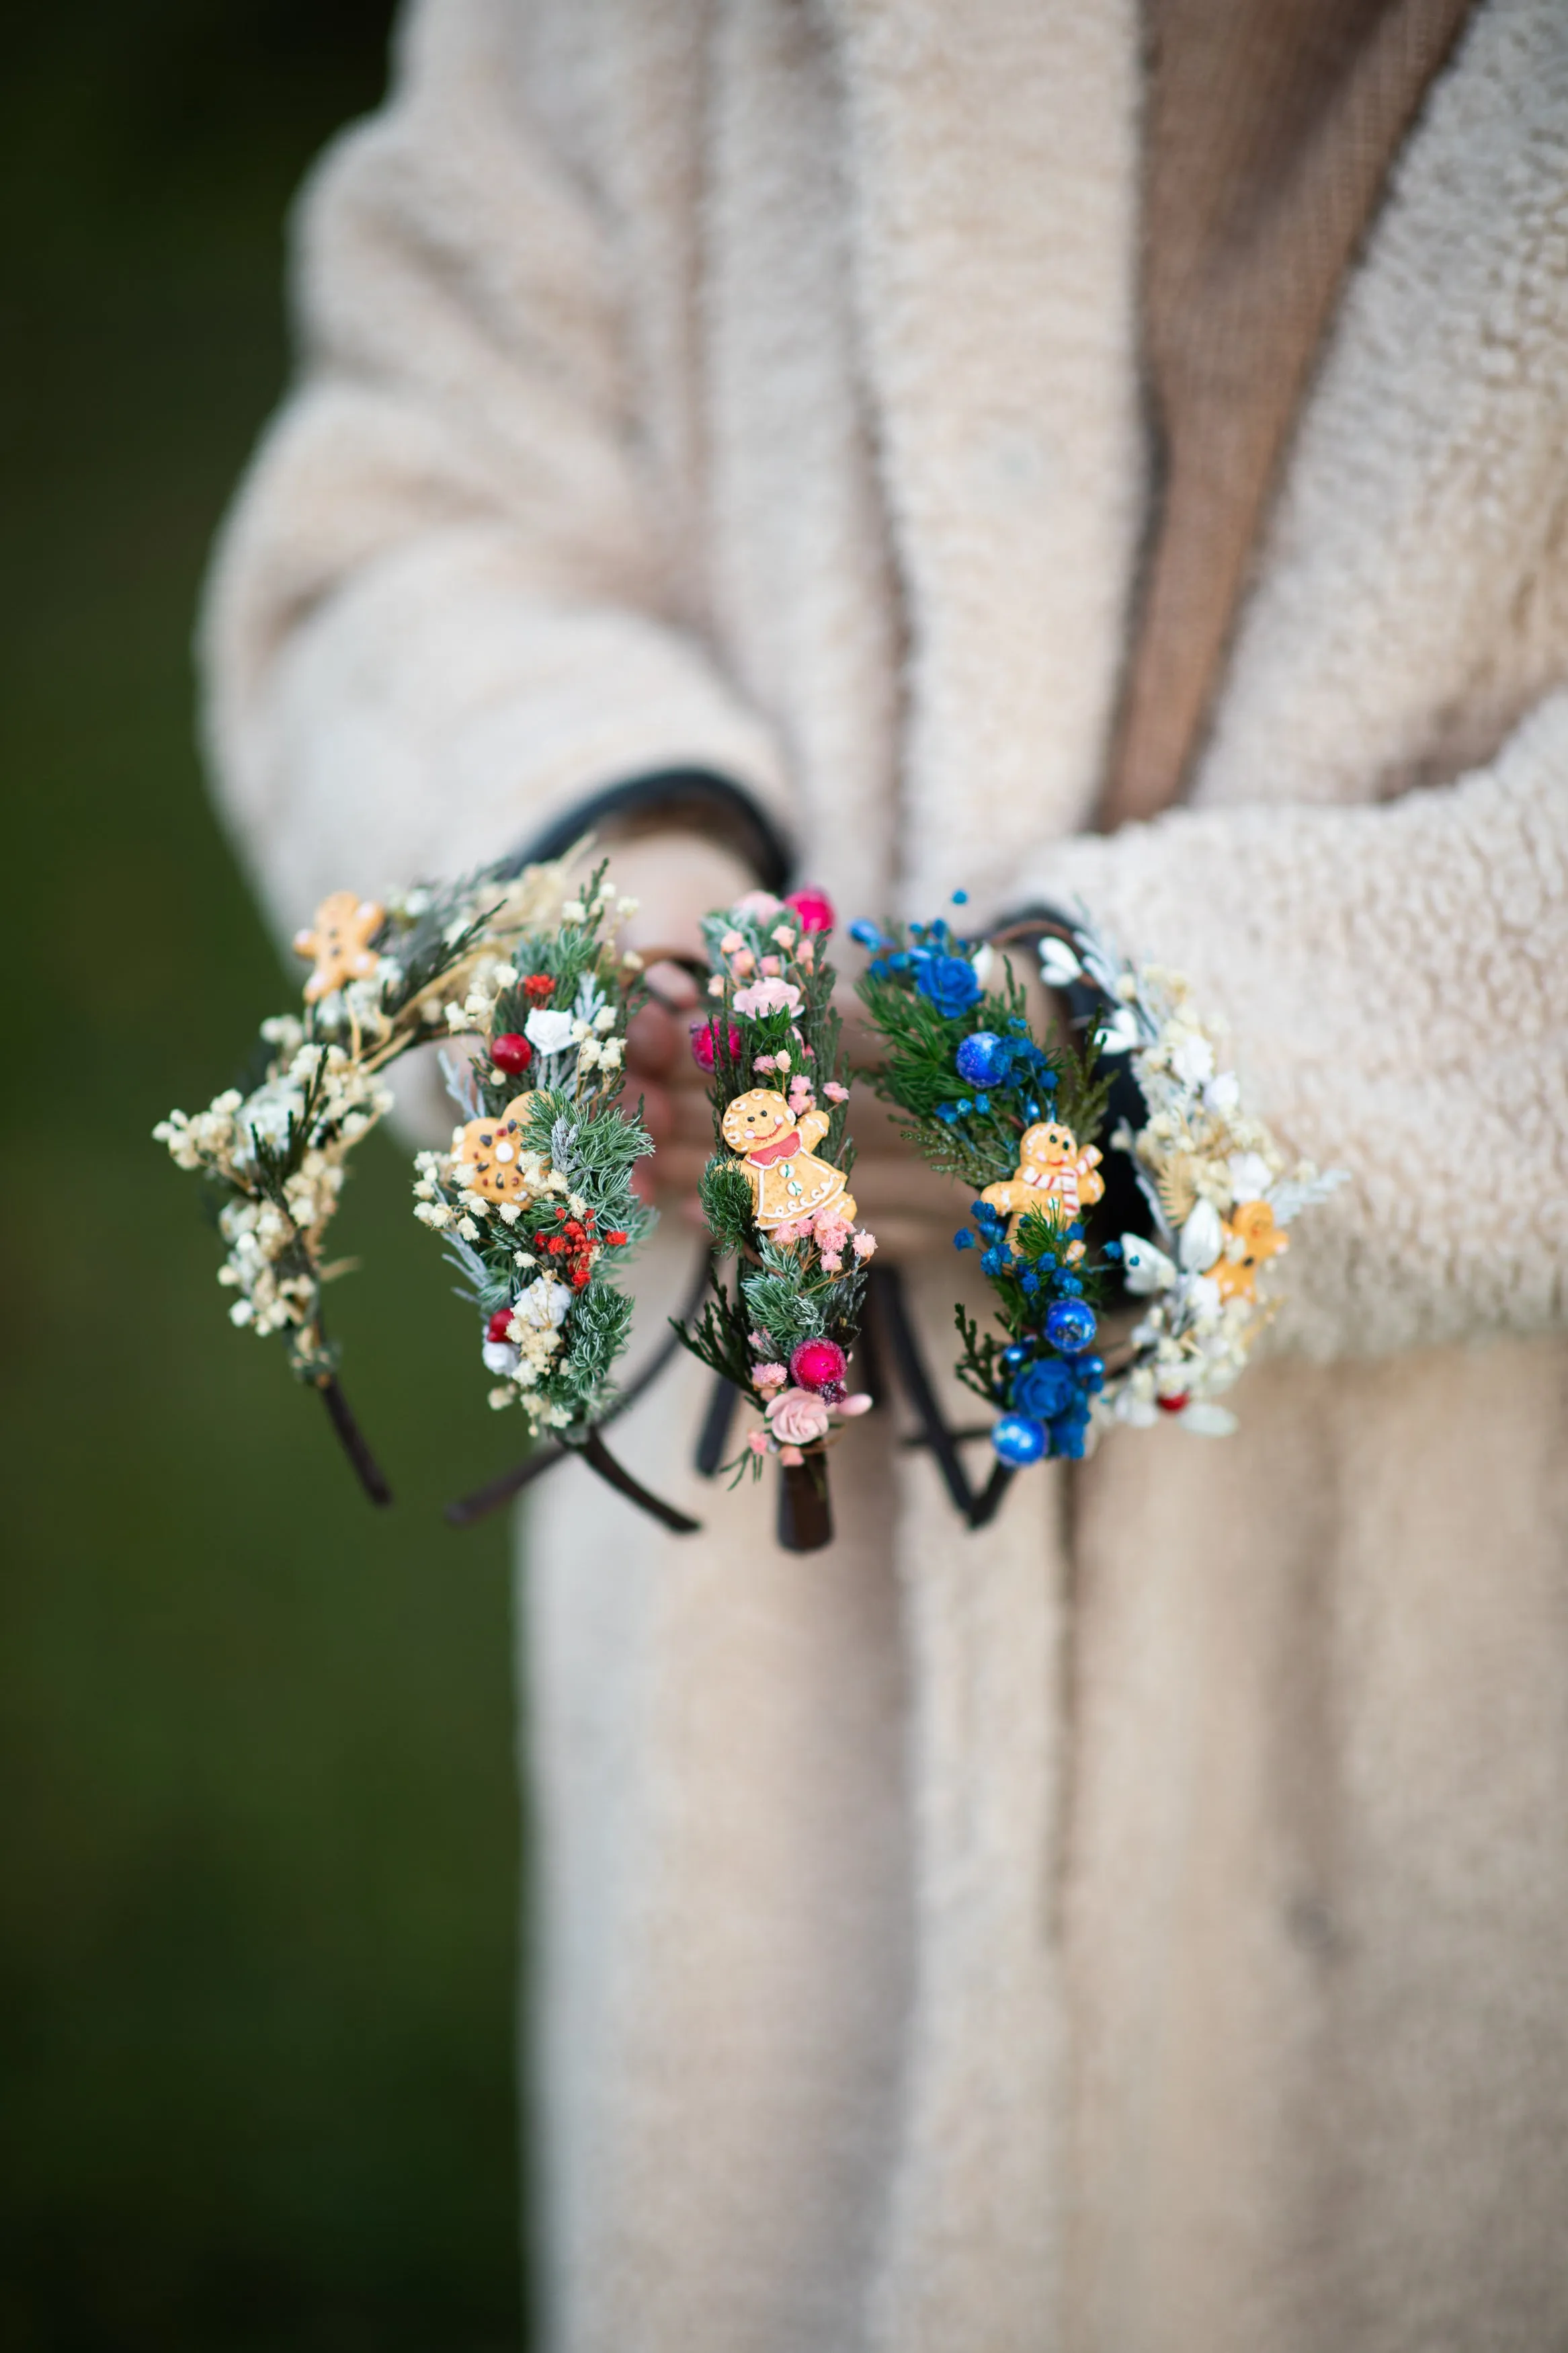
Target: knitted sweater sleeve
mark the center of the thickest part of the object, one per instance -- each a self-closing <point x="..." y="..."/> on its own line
<point x="1394" y="978"/>
<point x="445" y="607"/>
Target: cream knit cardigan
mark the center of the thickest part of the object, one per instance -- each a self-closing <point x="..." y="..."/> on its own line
<point x="1143" y="1927"/>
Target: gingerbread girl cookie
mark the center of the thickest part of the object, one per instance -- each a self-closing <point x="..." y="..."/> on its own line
<point x="339" y="940"/>
<point x="489" y="1154"/>
<point x="1053" y="1175"/>
<point x="774" y="1148"/>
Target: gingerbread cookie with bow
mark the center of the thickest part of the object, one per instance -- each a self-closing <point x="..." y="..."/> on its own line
<point x="788" y="1182"/>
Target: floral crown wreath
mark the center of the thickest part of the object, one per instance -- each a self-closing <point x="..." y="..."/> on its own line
<point x="532" y="1197"/>
<point x="1170" y="1244"/>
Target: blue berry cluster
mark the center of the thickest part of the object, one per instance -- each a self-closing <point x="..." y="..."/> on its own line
<point x="935" y="958"/>
<point x="1050" y="1374"/>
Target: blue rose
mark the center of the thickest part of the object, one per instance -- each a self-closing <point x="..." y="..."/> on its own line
<point x="950" y="982"/>
<point x="1043" y="1389"/>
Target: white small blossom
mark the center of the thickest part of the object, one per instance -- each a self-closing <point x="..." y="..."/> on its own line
<point x="1202" y="1238"/>
<point x="1192" y="1058"/>
<point x="543" y="1304"/>
<point x="1058" y="965"/>
<point x="549" y="1030"/>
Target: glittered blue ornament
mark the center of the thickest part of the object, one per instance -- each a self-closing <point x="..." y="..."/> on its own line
<point x="1069" y="1326"/>
<point x="984" y="1058"/>
<point x="1016" y="1354"/>
<point x="1017" y="1439"/>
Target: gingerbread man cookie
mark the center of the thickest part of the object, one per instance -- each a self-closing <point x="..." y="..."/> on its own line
<point x="1053" y="1175"/>
<point x="774" y="1148"/>
<point x="339" y="940"/>
<point x="1252" y="1225"/>
<point x="488" y="1153"/>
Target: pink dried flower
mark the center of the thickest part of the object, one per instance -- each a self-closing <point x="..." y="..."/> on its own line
<point x="764" y="1063"/>
<point x="761" y="905"/>
<point x="791" y="1231"/>
<point x="769" y="1377"/>
<point x="831" y="1230"/>
<point x="865" y="1246"/>
<point x="771" y="966"/>
<point x="743" y="962"/>
<point x="797" y="1417"/>
<point x="835" y="1093"/>
<point x="731" y="942"/>
<point x="758" y="1442"/>
<point x="791" y="1457"/>
<point x="759" y="1342"/>
<point x="847" y="1408"/>
<point x="832" y="1261"/>
<point x="784" y="935"/>
<point x="764" y="997"/>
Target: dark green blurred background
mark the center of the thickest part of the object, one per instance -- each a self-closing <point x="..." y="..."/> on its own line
<point x="258" y="1912"/>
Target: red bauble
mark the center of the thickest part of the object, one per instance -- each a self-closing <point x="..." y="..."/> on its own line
<point x="496" y="1329"/>
<point x="1172" y="1405"/>
<point x="705" y="1039"/>
<point x="512" y="1053"/>
<point x="815" y="909"/>
<point x="819" y="1364"/>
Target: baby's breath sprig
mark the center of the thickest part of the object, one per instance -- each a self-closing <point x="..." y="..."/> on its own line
<point x="272" y="1151"/>
<point x="776" y="1197"/>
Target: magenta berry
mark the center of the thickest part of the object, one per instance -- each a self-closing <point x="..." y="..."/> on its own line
<point x="819" y="1364"/>
<point x="815" y="909"/>
<point x="704" y="1037"/>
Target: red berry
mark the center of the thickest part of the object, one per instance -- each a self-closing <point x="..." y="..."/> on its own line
<point x="496" y="1329"/>
<point x="1173" y="1404"/>
<point x="704" y="1038"/>
<point x="615" y="1240"/>
<point x="819" y="1365"/>
<point x="815" y="909"/>
<point x="512" y="1053"/>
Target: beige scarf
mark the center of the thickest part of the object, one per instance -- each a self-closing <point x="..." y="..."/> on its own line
<point x="1271" y="127"/>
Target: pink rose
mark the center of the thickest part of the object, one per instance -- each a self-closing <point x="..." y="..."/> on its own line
<point x="767" y="996"/>
<point x="795" y="1417"/>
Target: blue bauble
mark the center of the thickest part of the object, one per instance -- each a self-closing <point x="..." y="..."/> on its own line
<point x="1016" y="1354"/>
<point x="1043" y="1389"/>
<point x="1017" y="1439"/>
<point x="984" y="1060"/>
<point x="1069" y="1326"/>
